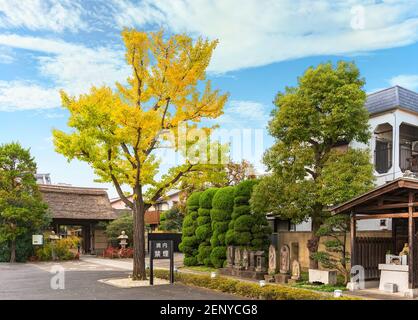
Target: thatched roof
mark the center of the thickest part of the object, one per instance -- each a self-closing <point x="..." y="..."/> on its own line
<point x="66" y="202"/>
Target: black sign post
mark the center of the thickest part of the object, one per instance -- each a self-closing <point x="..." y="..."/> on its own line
<point x="161" y="249"/>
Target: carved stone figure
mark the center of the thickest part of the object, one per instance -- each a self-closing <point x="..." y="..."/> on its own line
<point x="230" y="256"/>
<point x="295" y="270"/>
<point x="284" y="259"/>
<point x="245" y="259"/>
<point x="251" y="266"/>
<point x="272" y="260"/>
<point x="238" y="259"/>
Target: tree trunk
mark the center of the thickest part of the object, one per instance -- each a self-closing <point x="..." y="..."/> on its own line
<point x="13" y="251"/>
<point x="313" y="243"/>
<point x="139" y="271"/>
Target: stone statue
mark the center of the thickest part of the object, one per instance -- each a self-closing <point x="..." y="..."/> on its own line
<point x="251" y="266"/>
<point x="230" y="256"/>
<point x="284" y="259"/>
<point x="272" y="260"/>
<point x="237" y="259"/>
<point x="245" y="259"/>
<point x="295" y="270"/>
<point x="405" y="250"/>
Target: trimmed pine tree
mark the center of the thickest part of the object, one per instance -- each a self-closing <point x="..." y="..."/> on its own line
<point x="222" y="206"/>
<point x="189" y="244"/>
<point x="204" y="230"/>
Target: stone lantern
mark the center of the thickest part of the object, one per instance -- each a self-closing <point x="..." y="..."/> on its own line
<point x="123" y="240"/>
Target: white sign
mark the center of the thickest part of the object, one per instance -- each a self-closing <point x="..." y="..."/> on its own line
<point x="37" y="239"/>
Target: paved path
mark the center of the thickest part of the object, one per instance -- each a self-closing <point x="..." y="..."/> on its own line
<point x="32" y="281"/>
<point x="126" y="264"/>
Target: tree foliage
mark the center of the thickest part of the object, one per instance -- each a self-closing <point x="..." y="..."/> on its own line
<point x="119" y="132"/>
<point x="122" y="223"/>
<point x="22" y="211"/>
<point x="324" y="109"/>
<point x="335" y="255"/>
<point x="171" y="220"/>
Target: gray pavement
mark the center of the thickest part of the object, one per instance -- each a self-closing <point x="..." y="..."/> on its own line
<point x="32" y="281"/>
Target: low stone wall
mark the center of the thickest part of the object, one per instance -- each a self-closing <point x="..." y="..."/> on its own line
<point x="302" y="237"/>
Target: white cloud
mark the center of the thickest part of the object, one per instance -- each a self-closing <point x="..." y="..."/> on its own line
<point x="242" y="114"/>
<point x="255" y="33"/>
<point x="56" y="15"/>
<point x="72" y="67"/>
<point x="21" y="95"/>
<point x="409" y="81"/>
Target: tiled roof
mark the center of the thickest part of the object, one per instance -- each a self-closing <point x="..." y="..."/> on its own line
<point x="391" y="98"/>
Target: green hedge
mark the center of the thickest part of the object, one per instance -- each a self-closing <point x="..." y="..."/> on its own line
<point x="248" y="289"/>
<point x="189" y="244"/>
<point x="247" y="229"/>
<point x="222" y="205"/>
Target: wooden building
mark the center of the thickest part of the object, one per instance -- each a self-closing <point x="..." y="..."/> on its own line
<point x="79" y="210"/>
<point x="397" y="200"/>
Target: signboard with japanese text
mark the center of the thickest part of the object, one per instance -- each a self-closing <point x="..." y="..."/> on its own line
<point x="161" y="249"/>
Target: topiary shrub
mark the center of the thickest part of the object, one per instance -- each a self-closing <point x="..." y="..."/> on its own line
<point x="189" y="243"/>
<point x="222" y="206"/>
<point x="247" y="229"/>
<point x="204" y="230"/>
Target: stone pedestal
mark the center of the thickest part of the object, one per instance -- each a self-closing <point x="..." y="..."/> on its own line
<point x="323" y="276"/>
<point x="281" y="278"/>
<point x="396" y="274"/>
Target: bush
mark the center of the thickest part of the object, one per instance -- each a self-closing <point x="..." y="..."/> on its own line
<point x="248" y="289"/>
<point x="247" y="229"/>
<point x="205" y="201"/>
<point x="224" y="199"/>
<point x="203" y="233"/>
<point x="204" y="230"/>
<point x="222" y="205"/>
<point x="114" y="253"/>
<point x="189" y="243"/>
<point x="24" y="249"/>
<point x="203" y="256"/>
<point x="64" y="249"/>
<point x="218" y="256"/>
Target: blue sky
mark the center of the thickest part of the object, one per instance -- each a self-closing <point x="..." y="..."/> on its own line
<point x="263" y="47"/>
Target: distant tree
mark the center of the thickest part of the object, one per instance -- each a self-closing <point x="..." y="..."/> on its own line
<point x="171" y="220"/>
<point x="325" y="108"/>
<point x="122" y="223"/>
<point x="22" y="211"/>
<point x="239" y="171"/>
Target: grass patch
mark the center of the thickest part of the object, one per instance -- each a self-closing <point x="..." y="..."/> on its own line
<point x="318" y="287"/>
<point x="199" y="268"/>
<point x="248" y="289"/>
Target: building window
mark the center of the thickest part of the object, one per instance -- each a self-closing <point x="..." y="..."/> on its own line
<point x="383" y="147"/>
<point x="408" y="147"/>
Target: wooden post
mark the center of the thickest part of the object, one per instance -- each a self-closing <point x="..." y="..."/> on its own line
<point x="353" y="232"/>
<point x="411" y="242"/>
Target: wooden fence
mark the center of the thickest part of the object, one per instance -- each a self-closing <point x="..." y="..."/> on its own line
<point x="371" y="252"/>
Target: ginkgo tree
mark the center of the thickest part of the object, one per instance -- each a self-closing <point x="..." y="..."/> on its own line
<point x="120" y="131"/>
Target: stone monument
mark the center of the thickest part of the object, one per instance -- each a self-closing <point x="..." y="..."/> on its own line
<point x="245" y="259"/>
<point x="260" y="265"/>
<point x="230" y="255"/>
<point x="272" y="260"/>
<point x="283" y="276"/>
<point x="238" y="259"/>
<point x="284" y="259"/>
<point x="251" y="266"/>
